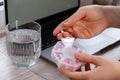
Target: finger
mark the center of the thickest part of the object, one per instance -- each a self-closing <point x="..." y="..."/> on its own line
<point x="60" y="36"/>
<point x="88" y="58"/>
<point x="66" y="34"/>
<point x="58" y="29"/>
<point x="79" y="14"/>
<point x="63" y="35"/>
<point x="62" y="26"/>
<point x="70" y="30"/>
<point x="69" y="23"/>
<point x="75" y="75"/>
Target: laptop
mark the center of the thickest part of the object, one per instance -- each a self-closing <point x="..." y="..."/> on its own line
<point x="49" y="13"/>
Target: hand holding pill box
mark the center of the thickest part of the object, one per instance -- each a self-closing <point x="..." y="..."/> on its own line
<point x="63" y="53"/>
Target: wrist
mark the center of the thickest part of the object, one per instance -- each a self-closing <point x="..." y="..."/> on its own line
<point x="118" y="71"/>
<point x="112" y="14"/>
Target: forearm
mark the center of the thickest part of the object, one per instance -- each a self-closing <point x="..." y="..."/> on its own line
<point x="112" y="13"/>
<point x="117" y="70"/>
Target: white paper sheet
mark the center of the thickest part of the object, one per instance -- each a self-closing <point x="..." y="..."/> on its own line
<point x="106" y="38"/>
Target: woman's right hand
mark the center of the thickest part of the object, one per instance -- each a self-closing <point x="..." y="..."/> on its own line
<point x="86" y="22"/>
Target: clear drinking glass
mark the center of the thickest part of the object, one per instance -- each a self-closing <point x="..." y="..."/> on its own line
<point x="23" y="42"/>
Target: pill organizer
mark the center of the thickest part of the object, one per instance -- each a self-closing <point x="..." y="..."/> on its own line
<point x="63" y="54"/>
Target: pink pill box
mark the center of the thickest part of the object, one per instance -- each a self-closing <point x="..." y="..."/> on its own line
<point x="63" y="54"/>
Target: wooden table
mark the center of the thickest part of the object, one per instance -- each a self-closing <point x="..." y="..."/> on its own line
<point x="42" y="70"/>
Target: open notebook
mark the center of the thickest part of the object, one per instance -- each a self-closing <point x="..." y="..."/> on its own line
<point x="106" y="38"/>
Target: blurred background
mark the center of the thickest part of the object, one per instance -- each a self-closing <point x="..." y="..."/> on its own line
<point x="82" y="3"/>
<point x="100" y="2"/>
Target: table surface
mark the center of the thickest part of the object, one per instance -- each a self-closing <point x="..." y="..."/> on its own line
<point x="43" y="69"/>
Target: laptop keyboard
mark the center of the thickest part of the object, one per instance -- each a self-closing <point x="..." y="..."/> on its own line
<point x="48" y="25"/>
<point x="48" y="39"/>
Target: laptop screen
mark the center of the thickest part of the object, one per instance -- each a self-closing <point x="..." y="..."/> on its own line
<point x="48" y="13"/>
<point x="36" y="9"/>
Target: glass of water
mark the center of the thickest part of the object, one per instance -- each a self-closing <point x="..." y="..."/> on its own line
<point x="23" y="42"/>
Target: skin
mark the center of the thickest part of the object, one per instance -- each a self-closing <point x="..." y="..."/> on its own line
<point x="87" y="22"/>
<point x="106" y="69"/>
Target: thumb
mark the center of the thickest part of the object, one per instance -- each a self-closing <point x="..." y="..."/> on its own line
<point x="87" y="58"/>
<point x="80" y="13"/>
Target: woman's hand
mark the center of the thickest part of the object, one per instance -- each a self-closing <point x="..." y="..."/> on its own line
<point x="106" y="69"/>
<point x="86" y="22"/>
